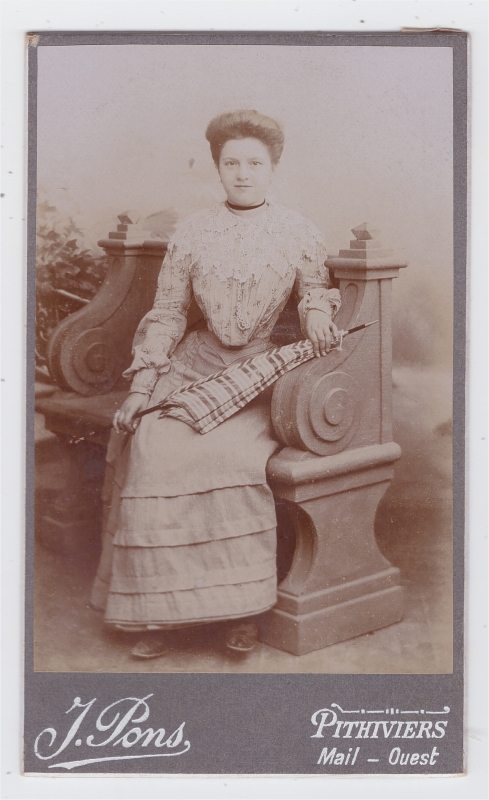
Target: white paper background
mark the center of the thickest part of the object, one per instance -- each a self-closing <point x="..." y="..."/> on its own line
<point x="354" y="15"/>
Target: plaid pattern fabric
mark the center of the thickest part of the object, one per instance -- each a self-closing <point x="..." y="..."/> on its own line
<point x="205" y="403"/>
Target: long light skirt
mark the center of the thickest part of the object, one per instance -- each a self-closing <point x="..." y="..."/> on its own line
<point x="189" y="535"/>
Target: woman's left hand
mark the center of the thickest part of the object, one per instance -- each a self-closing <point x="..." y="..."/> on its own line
<point x="320" y="329"/>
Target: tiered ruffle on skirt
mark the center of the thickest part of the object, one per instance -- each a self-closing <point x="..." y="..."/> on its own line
<point x="189" y="534"/>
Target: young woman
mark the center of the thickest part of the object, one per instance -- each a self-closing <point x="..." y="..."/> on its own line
<point x="190" y="537"/>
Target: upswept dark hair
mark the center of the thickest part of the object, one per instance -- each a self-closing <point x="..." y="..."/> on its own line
<point x="241" y="125"/>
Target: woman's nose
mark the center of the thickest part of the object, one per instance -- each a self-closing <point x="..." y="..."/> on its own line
<point x="242" y="173"/>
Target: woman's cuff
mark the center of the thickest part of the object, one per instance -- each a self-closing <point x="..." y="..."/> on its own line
<point x="147" y="359"/>
<point x="326" y="300"/>
<point x="145" y="370"/>
<point x="144" y="381"/>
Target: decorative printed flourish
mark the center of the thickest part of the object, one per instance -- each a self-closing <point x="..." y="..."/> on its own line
<point x="445" y="710"/>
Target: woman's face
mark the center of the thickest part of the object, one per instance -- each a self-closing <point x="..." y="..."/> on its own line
<point x="245" y="169"/>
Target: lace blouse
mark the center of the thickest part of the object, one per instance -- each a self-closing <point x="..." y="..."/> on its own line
<point x="241" y="272"/>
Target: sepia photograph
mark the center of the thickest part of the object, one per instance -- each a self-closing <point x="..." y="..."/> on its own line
<point x="243" y="358"/>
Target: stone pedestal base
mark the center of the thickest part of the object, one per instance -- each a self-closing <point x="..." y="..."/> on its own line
<point x="339" y="585"/>
<point x="302" y="633"/>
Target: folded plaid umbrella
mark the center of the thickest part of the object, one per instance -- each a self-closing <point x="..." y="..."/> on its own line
<point x="205" y="403"/>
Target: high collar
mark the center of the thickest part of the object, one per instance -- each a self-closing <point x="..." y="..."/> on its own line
<point x="252" y="214"/>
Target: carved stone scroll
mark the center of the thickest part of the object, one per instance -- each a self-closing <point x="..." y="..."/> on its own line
<point x="91" y="348"/>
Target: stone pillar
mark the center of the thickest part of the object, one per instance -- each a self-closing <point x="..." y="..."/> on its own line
<point x="334" y="417"/>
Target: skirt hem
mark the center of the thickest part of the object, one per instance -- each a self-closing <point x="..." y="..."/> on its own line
<point x="160" y="626"/>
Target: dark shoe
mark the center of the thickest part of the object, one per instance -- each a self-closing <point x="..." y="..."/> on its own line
<point x="150" y="646"/>
<point x="242" y="638"/>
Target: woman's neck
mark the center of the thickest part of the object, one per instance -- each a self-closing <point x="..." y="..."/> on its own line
<point x="247" y="212"/>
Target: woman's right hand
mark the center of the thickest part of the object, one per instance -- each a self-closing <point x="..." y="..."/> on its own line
<point x="124" y="418"/>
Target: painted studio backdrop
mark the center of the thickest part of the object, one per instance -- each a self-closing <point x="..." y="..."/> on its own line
<point x="368" y="138"/>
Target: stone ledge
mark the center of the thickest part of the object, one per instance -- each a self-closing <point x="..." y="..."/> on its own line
<point x="294" y="467"/>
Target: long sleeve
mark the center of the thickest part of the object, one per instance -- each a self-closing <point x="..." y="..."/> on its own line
<point x="162" y="328"/>
<point x="313" y="285"/>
